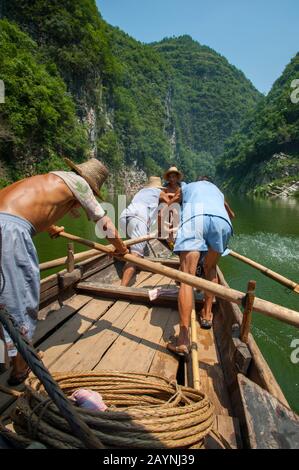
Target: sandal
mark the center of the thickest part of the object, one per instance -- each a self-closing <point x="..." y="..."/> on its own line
<point x="205" y="324"/>
<point x="15" y="380"/>
<point x="182" y="351"/>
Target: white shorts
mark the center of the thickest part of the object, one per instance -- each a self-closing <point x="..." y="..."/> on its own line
<point x="134" y="227"/>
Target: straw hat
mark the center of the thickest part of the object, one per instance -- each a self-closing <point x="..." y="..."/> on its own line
<point x="173" y="169"/>
<point x="93" y="171"/>
<point x="154" y="182"/>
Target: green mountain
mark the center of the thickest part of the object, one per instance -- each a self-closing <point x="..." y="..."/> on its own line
<point x="209" y="97"/>
<point x="263" y="155"/>
<point x="76" y="86"/>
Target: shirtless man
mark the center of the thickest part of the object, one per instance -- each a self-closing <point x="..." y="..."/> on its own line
<point x="172" y="189"/>
<point x="31" y="206"/>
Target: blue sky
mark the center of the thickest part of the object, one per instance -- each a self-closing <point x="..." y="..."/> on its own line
<point x="258" y="36"/>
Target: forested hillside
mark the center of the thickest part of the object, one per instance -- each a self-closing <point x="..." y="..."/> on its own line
<point x="210" y="99"/>
<point x="263" y="155"/>
<point x="77" y="86"/>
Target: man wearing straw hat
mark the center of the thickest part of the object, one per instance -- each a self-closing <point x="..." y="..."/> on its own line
<point x="173" y="178"/>
<point x="32" y="206"/>
<point x="138" y="218"/>
<point x="172" y="189"/>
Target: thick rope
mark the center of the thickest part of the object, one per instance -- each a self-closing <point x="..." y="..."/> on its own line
<point x="68" y="411"/>
<point x="144" y="411"/>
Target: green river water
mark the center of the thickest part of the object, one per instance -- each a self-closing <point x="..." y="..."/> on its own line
<point x="266" y="231"/>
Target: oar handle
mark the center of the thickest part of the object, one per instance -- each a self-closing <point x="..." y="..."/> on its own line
<point x="262" y="306"/>
<point x="267" y="272"/>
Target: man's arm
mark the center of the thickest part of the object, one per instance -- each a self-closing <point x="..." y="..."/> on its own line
<point x="113" y="236"/>
<point x="85" y="198"/>
<point x="177" y="198"/>
<point x="165" y="197"/>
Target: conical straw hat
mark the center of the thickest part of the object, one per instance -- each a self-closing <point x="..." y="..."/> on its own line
<point x="173" y="169"/>
<point x="93" y="171"/>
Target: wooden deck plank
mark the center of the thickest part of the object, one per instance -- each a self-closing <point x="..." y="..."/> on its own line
<point x="85" y="354"/>
<point x="153" y="331"/>
<point x="211" y="374"/>
<point x="134" y="349"/>
<point x="229" y="428"/>
<point x="164" y="362"/>
<point x="44" y="327"/>
<point x="57" y="314"/>
<point x="119" y="353"/>
<point x="59" y="342"/>
<point x="141" y="277"/>
<point x="152" y="281"/>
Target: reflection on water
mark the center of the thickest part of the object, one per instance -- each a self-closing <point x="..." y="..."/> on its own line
<point x="266" y="231"/>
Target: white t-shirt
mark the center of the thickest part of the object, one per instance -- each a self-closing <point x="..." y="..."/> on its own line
<point x="144" y="205"/>
<point x="83" y="193"/>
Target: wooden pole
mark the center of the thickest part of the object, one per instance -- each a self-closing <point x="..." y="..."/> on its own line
<point x="261" y="306"/>
<point x="247" y="315"/>
<point x="194" y="347"/>
<point x="70" y="264"/>
<point x="267" y="272"/>
<point x="89" y="254"/>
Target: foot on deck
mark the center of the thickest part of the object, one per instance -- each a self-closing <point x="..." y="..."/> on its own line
<point x="182" y="350"/>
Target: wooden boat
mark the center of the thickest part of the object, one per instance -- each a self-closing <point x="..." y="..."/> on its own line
<point x="88" y="322"/>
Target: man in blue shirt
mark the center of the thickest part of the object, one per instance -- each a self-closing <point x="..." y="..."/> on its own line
<point x="206" y="228"/>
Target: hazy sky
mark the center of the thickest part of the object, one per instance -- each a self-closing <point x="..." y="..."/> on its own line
<point x="257" y="36"/>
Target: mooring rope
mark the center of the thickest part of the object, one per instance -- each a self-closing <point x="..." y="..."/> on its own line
<point x="144" y="411"/>
<point x="66" y="408"/>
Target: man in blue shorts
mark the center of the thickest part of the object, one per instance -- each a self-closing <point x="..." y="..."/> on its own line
<point x="205" y="229"/>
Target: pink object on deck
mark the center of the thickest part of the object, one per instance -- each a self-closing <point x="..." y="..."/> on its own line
<point x="89" y="400"/>
<point x="160" y="291"/>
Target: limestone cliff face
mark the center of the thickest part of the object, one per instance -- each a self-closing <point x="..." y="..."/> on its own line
<point x="278" y="177"/>
<point x="128" y="180"/>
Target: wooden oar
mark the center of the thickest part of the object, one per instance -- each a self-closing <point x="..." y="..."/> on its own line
<point x="90" y="253"/>
<point x="267" y="272"/>
<point x="194" y="347"/>
<point x="262" y="306"/>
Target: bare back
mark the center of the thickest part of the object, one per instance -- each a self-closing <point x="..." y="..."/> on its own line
<point x="42" y="200"/>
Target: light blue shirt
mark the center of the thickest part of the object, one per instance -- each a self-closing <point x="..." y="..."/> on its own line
<point x="203" y="198"/>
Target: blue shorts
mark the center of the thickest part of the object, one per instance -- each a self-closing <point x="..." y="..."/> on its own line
<point x="21" y="277"/>
<point x="203" y="232"/>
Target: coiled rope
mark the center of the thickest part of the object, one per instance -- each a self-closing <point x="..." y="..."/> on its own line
<point x="77" y="425"/>
<point x="144" y="411"/>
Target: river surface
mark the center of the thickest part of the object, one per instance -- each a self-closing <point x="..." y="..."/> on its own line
<point x="266" y="231"/>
